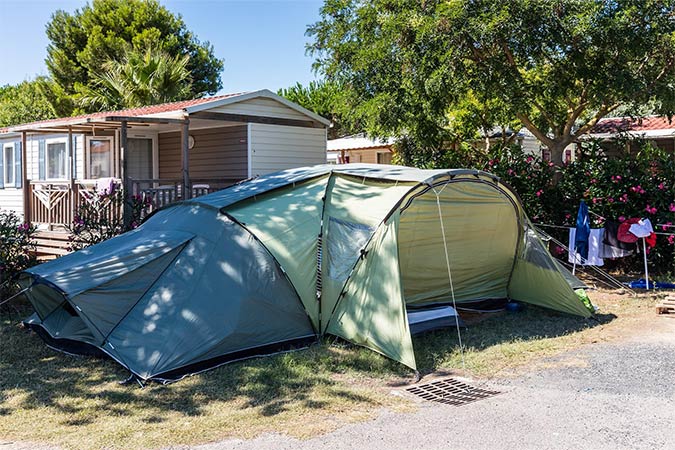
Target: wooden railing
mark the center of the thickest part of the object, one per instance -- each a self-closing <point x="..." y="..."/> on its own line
<point x="164" y="191"/>
<point x="53" y="204"/>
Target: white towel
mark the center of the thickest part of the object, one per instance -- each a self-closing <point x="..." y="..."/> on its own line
<point x="642" y="229"/>
<point x="105" y="185"/>
<point x="594" y="245"/>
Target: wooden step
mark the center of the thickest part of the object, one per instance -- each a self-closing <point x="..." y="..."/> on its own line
<point x="51" y="243"/>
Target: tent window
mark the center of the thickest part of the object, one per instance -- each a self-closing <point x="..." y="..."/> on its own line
<point x="346" y="239"/>
<point x="536" y="253"/>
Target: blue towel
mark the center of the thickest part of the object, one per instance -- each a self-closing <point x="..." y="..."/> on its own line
<point x="583" y="231"/>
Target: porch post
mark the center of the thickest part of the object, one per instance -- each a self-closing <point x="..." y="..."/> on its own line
<point x="126" y="185"/>
<point x="185" y="159"/>
<point x="25" y="180"/>
<point x="72" y="171"/>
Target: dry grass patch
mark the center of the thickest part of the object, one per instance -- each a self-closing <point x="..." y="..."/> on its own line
<point x="77" y="403"/>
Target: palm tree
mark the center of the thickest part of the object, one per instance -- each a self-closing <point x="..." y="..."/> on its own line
<point x="139" y="78"/>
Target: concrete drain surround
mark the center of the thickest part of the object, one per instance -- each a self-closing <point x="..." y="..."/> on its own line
<point x="450" y="391"/>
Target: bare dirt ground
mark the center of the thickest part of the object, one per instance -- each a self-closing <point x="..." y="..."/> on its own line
<point x="615" y="394"/>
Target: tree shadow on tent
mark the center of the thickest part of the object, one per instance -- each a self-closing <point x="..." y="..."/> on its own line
<point x="439" y="349"/>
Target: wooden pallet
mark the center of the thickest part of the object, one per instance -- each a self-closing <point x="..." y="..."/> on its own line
<point x="666" y="306"/>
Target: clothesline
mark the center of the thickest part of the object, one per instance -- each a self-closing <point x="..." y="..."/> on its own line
<point x="562" y="227"/>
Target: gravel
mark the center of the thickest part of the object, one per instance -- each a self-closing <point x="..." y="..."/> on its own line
<point x="605" y="396"/>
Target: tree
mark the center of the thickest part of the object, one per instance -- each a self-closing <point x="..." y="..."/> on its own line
<point x="27" y="101"/>
<point x="139" y="78"/>
<point x="80" y="43"/>
<point x="558" y="66"/>
<point x="325" y="99"/>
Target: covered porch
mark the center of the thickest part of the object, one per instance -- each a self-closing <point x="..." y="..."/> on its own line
<point x="149" y="158"/>
<point x="157" y="154"/>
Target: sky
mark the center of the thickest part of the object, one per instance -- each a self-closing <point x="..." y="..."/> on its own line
<point x="261" y="41"/>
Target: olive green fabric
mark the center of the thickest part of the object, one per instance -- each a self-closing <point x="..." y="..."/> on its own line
<point x="481" y="232"/>
<point x="354" y="209"/>
<point x="372" y="310"/>
<point x="288" y="222"/>
<point x="294" y="255"/>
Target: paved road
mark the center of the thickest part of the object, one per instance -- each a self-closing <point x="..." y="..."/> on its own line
<point x="614" y="396"/>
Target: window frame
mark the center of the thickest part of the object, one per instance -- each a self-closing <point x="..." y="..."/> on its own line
<point x="6" y="146"/>
<point x="49" y="142"/>
<point x="87" y="153"/>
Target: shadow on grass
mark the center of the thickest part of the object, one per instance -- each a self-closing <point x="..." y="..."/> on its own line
<point x="85" y="389"/>
<point x="434" y="349"/>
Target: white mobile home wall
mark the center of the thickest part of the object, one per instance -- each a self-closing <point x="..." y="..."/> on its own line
<point x="11" y="198"/>
<point x="279" y="147"/>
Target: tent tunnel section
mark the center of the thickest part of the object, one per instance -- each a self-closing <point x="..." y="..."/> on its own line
<point x="478" y="224"/>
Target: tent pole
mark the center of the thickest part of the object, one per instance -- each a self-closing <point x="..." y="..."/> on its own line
<point x="574" y="261"/>
<point x="644" y="254"/>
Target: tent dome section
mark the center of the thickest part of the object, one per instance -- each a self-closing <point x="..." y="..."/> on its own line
<point x="481" y="222"/>
<point x="211" y="292"/>
<point x="288" y="223"/>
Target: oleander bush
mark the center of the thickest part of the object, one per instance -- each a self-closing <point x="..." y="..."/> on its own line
<point x="17" y="249"/>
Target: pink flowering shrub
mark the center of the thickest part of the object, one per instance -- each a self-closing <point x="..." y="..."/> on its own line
<point x="17" y="249"/>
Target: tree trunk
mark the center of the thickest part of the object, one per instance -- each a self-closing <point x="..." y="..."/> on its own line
<point x="558" y="152"/>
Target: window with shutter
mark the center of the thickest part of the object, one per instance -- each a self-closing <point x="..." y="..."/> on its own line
<point x="8" y="165"/>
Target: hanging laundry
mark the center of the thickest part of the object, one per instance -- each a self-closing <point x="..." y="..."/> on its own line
<point x="642" y="228"/>
<point x="611" y="239"/>
<point x="610" y="252"/>
<point x="624" y="234"/>
<point x="594" y="245"/>
<point x="582" y="231"/>
<point x="651" y="240"/>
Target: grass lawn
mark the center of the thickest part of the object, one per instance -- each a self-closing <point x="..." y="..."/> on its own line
<point x="50" y="398"/>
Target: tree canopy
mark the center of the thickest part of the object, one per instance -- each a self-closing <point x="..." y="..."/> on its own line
<point x="140" y="78"/>
<point x="27" y="101"/>
<point x="324" y="99"/>
<point x="83" y="42"/>
<point x="557" y="66"/>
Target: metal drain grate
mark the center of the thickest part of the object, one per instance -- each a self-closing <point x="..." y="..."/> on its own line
<point x="450" y="391"/>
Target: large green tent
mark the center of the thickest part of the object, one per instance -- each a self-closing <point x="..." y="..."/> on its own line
<point x="285" y="258"/>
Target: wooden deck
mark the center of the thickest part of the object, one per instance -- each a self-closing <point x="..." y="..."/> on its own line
<point x="53" y="206"/>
